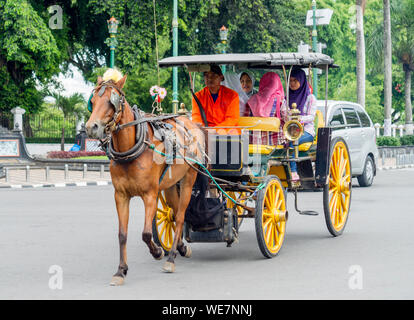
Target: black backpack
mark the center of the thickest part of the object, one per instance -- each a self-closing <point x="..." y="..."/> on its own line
<point x="204" y="214"/>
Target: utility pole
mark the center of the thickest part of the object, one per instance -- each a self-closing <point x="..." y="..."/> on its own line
<point x="387" y="69"/>
<point x="175" y="54"/>
<point x="315" y="49"/>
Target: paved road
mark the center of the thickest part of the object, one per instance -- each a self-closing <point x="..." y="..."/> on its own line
<point x="76" y="229"/>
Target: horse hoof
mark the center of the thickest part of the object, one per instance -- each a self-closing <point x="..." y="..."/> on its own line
<point x="188" y="252"/>
<point x="117" y="281"/>
<point x="160" y="256"/>
<point x="169" y="267"/>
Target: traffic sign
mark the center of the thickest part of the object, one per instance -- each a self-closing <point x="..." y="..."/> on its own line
<point x="323" y="17"/>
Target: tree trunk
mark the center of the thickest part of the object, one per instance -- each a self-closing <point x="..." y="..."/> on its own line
<point x="408" y="105"/>
<point x="360" y="48"/>
<point x="387" y="69"/>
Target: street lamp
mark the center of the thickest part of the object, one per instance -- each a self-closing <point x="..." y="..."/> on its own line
<point x="314" y="48"/>
<point x="111" y="42"/>
<point x="317" y="17"/>
<point x="223" y="38"/>
<point x="175" y="53"/>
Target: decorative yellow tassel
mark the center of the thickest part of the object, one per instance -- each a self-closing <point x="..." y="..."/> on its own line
<point x="112" y="74"/>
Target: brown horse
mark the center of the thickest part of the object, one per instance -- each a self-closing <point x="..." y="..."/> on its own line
<point x="145" y="176"/>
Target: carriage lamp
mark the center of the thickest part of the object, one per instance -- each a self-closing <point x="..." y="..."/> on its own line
<point x="111" y="41"/>
<point x="223" y="34"/>
<point x="293" y="129"/>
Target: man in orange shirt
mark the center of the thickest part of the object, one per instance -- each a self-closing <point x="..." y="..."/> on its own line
<point x="221" y="104"/>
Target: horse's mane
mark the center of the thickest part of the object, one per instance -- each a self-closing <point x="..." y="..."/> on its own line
<point x="112" y="74"/>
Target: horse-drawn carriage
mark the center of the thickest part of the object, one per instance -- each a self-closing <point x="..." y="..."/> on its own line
<point x="243" y="180"/>
<point x="252" y="179"/>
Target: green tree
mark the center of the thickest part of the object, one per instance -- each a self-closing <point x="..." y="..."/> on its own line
<point x="73" y="105"/>
<point x="402" y="28"/>
<point x="29" y="55"/>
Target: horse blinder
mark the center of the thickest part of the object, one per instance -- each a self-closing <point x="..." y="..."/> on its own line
<point x="115" y="100"/>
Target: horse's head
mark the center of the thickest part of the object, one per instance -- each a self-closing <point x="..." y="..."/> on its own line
<point x="106" y="104"/>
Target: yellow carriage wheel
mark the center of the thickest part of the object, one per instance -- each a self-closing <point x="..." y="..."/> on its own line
<point x="163" y="226"/>
<point x="337" y="192"/>
<point x="239" y="196"/>
<point x="271" y="216"/>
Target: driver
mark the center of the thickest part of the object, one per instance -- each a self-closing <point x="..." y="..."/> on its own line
<point x="221" y="104"/>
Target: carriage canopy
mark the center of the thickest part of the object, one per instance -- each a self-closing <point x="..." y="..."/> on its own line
<point x="253" y="60"/>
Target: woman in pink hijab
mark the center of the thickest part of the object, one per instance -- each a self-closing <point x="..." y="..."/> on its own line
<point x="267" y="103"/>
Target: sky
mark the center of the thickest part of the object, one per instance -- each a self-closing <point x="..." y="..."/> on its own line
<point x="75" y="84"/>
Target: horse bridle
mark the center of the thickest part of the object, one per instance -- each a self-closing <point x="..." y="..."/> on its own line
<point x="117" y="100"/>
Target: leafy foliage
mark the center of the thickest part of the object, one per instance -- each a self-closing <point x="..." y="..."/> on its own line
<point x="28" y="54"/>
<point x="407" y="140"/>
<point x="388" y="141"/>
<point x="31" y="53"/>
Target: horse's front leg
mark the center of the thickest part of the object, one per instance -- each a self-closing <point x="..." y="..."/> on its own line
<point x="122" y="206"/>
<point x="186" y="187"/>
<point x="150" y="203"/>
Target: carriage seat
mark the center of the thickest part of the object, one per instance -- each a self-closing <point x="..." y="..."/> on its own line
<point x="318" y="123"/>
<point x="269" y="124"/>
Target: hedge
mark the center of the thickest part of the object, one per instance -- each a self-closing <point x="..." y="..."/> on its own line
<point x="395" y="141"/>
<point x="73" y="154"/>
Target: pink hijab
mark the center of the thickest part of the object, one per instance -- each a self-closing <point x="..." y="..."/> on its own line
<point x="262" y="103"/>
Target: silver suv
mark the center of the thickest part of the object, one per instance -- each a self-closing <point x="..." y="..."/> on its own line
<point x="350" y="121"/>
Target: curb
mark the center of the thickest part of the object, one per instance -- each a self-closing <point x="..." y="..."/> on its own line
<point x="407" y="166"/>
<point x="56" y="185"/>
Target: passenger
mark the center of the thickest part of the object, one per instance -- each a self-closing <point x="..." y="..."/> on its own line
<point x="247" y="82"/>
<point x="221" y="104"/>
<point x="232" y="81"/>
<point x="300" y="93"/>
<point x="267" y="103"/>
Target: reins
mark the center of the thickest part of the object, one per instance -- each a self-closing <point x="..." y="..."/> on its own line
<point x="118" y="101"/>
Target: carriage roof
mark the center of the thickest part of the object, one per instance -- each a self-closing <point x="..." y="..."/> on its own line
<point x="254" y="60"/>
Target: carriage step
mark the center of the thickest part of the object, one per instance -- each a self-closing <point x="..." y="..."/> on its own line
<point x="308" y="213"/>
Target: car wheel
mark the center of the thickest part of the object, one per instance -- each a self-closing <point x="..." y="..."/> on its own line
<point x="367" y="177"/>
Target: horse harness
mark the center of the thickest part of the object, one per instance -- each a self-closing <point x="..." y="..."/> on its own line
<point x="162" y="130"/>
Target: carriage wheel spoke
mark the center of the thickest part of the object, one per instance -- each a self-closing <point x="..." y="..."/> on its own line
<point x="266" y="223"/>
<point x="162" y="230"/>
<point x="268" y="203"/>
<point x="340" y="213"/>
<point x="169" y="236"/>
<point x="163" y="211"/>
<point x="333" y="206"/>
<point x="342" y="168"/>
<point x="279" y="204"/>
<point x="344" y="204"/>
<point x="161" y="220"/>
<point x="269" y="232"/>
<point x="276" y="235"/>
<point x="272" y="195"/>
<point x="279" y="227"/>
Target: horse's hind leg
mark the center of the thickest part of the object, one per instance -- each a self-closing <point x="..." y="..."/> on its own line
<point x="185" y="195"/>
<point x="122" y="207"/>
<point x="150" y="202"/>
